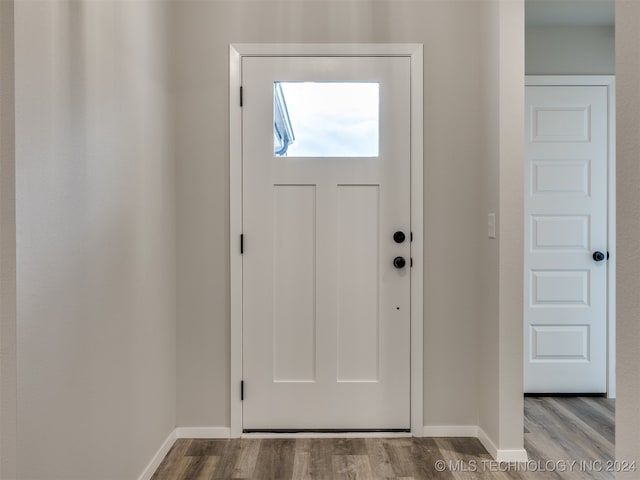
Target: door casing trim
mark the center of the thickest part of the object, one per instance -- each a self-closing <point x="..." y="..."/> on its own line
<point x="415" y="53"/>
<point x="608" y="81"/>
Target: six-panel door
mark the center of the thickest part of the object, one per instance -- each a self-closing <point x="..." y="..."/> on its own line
<point x="326" y="184"/>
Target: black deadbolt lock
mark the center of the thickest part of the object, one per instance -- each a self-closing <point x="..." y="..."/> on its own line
<point x="399" y="237"/>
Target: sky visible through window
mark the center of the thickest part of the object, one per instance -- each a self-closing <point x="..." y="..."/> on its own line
<point x="333" y="119"/>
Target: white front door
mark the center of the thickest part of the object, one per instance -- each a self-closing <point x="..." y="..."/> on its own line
<point x="326" y="185"/>
<point x="566" y="239"/>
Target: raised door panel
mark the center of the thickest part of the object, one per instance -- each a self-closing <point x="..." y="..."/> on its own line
<point x="358" y="283"/>
<point x="294" y="283"/>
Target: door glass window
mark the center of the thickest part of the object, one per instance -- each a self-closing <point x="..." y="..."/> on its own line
<point x="326" y="119"/>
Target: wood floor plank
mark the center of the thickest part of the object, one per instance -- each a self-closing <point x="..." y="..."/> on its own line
<point x="468" y="447"/>
<point x="200" y="468"/>
<point x="378" y="458"/>
<point x="589" y="442"/>
<point x="351" y="467"/>
<point x="228" y="459"/>
<point x="536" y="417"/>
<point x="401" y="459"/>
<point x="302" y="459"/>
<point x="569" y="438"/>
<point x="275" y="460"/>
<point x="540" y="449"/>
<point x="607" y="403"/>
<point x="206" y="448"/>
<point x="607" y="415"/>
<point x="182" y="468"/>
<point x="301" y="462"/>
<point x="349" y="446"/>
<point x="426" y="453"/>
<point x="470" y="458"/>
<point x="457" y="463"/>
<point x="592" y="414"/>
<point x="208" y="468"/>
<point x="166" y="469"/>
<point x="320" y="467"/>
<point x="247" y="458"/>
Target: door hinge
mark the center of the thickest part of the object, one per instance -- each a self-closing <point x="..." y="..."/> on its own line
<point x="241" y="97"/>
<point x="411" y="262"/>
<point x="241" y="243"/>
<point x="411" y="236"/>
<point x="241" y="390"/>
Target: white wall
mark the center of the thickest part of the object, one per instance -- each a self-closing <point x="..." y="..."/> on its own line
<point x="628" y="234"/>
<point x="570" y="50"/>
<point x="96" y="238"/>
<point x="488" y="274"/>
<point x="8" y="372"/>
<point x="511" y="230"/>
<point x="500" y="273"/>
<point x="454" y="35"/>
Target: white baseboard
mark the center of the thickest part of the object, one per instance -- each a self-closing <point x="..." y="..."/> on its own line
<point x="507" y="456"/>
<point x="158" y="457"/>
<point x="487" y="443"/>
<point x="512" y="456"/>
<point x="450" y="431"/>
<point x="203" y="432"/>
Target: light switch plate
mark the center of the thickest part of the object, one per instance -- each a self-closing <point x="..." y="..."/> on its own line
<point x="491" y="225"/>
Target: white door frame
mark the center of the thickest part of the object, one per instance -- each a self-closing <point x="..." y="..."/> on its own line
<point x="414" y="52"/>
<point x="608" y="81"/>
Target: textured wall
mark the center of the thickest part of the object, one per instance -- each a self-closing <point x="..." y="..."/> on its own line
<point x="510" y="301"/>
<point x="96" y="238"/>
<point x="628" y="234"/>
<point x="500" y="275"/>
<point x="570" y="51"/>
<point x="488" y="275"/>
<point x="8" y="338"/>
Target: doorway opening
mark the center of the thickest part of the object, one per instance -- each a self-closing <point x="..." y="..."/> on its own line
<point x="303" y="199"/>
<point x="569" y="248"/>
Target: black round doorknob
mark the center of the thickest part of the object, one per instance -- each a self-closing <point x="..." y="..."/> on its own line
<point x="599" y="256"/>
<point x="399" y="237"/>
<point x="399" y="262"/>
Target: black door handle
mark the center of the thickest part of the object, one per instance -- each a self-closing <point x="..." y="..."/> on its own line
<point x="599" y="256"/>
<point x="399" y="262"/>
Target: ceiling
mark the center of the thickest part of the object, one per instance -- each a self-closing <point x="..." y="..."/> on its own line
<point x="555" y="13"/>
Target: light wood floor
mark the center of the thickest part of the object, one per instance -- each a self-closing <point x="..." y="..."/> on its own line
<point x="557" y="431"/>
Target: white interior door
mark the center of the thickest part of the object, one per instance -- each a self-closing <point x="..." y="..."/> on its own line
<point x="326" y="184"/>
<point x="566" y="239"/>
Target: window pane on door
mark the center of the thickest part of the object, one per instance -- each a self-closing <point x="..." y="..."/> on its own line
<point x="326" y="119"/>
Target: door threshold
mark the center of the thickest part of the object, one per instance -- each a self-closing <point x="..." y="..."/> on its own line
<point x="326" y="433"/>
<point x="563" y="395"/>
<point x="326" y="430"/>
